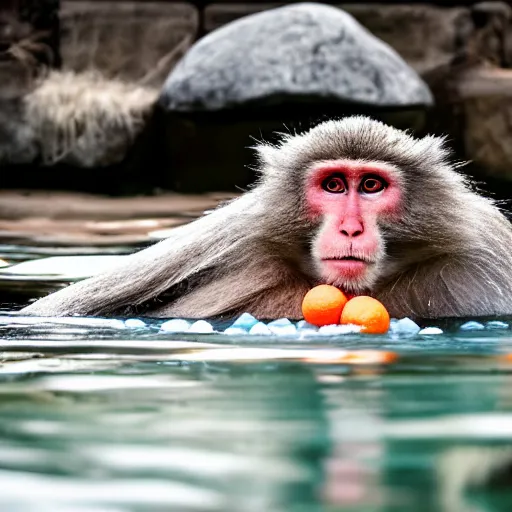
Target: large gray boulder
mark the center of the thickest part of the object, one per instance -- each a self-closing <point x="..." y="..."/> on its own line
<point x="302" y="51"/>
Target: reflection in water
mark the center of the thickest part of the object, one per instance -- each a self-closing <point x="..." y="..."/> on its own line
<point x="163" y="437"/>
<point x="90" y="422"/>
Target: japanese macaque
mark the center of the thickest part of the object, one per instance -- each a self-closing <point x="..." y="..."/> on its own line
<point x="353" y="203"/>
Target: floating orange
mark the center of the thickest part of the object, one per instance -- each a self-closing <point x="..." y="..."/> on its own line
<point x="323" y="305"/>
<point x="367" y="312"/>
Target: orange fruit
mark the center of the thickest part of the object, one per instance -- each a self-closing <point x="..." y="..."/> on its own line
<point x="368" y="313"/>
<point x="323" y="305"/>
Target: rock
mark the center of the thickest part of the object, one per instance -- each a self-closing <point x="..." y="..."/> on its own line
<point x="175" y="325"/>
<point x="304" y="51"/>
<point x="429" y="35"/>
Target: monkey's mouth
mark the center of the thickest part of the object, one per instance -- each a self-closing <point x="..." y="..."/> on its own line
<point x="347" y="258"/>
<point x="348" y="267"/>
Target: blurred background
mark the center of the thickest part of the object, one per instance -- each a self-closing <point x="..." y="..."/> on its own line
<point x="211" y="66"/>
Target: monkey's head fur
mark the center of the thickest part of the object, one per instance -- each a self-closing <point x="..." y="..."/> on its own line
<point x="389" y="226"/>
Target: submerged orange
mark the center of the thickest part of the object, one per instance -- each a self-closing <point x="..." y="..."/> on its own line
<point x="367" y="312"/>
<point x="323" y="305"/>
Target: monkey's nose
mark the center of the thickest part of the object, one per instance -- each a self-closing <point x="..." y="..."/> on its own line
<point x="352" y="234"/>
<point x="351" y="228"/>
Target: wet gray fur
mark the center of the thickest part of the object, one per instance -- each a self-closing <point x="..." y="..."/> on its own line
<point x="449" y="255"/>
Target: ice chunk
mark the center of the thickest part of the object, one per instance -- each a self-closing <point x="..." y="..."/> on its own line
<point x="235" y="330"/>
<point x="496" y="324"/>
<point x="335" y="329"/>
<point x="472" y="326"/>
<point x="280" y="322"/>
<point x="260" y="329"/>
<point x="282" y="326"/>
<point x="134" y="323"/>
<point x="201" y="327"/>
<point x="175" y="325"/>
<point x="245" y="321"/>
<point x="404" y="327"/>
<point x="431" y="330"/>
<point x="304" y="326"/>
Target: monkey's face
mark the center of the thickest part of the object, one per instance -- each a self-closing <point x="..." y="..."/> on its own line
<point x="352" y="201"/>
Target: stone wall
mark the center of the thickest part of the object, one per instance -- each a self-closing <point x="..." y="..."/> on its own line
<point x="139" y="41"/>
<point x="29" y="38"/>
<point x="464" y="53"/>
<point x="100" y="34"/>
<point x="143" y="40"/>
<point x="462" y="49"/>
<point x="424" y="34"/>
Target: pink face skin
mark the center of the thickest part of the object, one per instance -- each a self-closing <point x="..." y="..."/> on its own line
<point x="349" y="197"/>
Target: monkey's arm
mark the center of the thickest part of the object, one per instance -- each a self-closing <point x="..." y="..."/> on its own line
<point x="217" y="253"/>
<point x="265" y="288"/>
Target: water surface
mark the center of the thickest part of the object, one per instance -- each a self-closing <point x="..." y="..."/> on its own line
<point x="96" y="417"/>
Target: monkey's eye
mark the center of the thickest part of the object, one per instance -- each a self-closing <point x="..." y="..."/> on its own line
<point x="372" y="185"/>
<point x="334" y="184"/>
